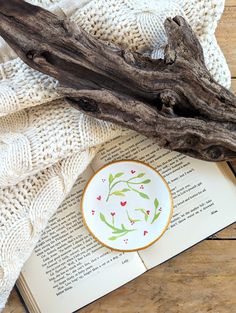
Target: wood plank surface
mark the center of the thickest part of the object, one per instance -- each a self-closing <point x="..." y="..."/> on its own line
<point x="228" y="233"/>
<point x="200" y="280"/>
<point x="193" y="282"/>
<point x="230" y="3"/>
<point x="233" y="85"/>
<point x="226" y="36"/>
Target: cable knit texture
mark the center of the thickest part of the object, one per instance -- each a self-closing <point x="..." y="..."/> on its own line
<point x="44" y="143"/>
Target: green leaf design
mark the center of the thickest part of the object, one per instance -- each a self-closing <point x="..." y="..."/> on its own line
<point x="119" y="175"/>
<point x="122" y="231"/>
<point x="143" y="195"/>
<point x="147" y="181"/>
<point x="146" y="216"/>
<point x="102" y="217"/>
<point x="141" y="210"/>
<point x="132" y="219"/>
<point x="119" y="231"/>
<point x="118" y="193"/>
<point x="156" y="203"/>
<point x="140" y="175"/>
<point x="111" y="178"/>
<point x="113" y="181"/>
<point x="112" y="238"/>
<point x="155" y="217"/>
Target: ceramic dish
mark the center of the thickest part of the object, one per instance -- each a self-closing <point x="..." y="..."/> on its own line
<point x="127" y="205"/>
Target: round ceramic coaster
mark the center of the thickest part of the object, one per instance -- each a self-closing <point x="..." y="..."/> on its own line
<point x="127" y="205"/>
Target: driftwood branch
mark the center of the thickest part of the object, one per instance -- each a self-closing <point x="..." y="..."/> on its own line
<point x="175" y="100"/>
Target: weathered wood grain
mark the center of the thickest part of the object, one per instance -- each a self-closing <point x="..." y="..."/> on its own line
<point x="175" y="100"/>
<point x="233" y="89"/>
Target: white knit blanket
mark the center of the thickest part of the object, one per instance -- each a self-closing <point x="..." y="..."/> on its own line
<point x="44" y="143"/>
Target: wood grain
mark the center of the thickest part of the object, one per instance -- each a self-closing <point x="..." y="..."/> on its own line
<point x="226" y="36"/>
<point x="200" y="280"/>
<point x="175" y="101"/>
<point x="228" y="233"/>
<point x="233" y="89"/>
<point x="233" y="85"/>
<point x="193" y="282"/>
<point x="14" y="304"/>
<point x="230" y="3"/>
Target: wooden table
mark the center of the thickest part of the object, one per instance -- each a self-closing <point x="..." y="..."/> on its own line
<point x="200" y="280"/>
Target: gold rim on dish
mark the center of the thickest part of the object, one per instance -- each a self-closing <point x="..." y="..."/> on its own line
<point x="87" y="186"/>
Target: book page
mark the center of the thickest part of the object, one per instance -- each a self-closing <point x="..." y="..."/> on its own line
<point x="69" y="269"/>
<point x="204" y="194"/>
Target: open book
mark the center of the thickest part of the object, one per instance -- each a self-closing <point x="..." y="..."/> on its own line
<point x="69" y="269"/>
